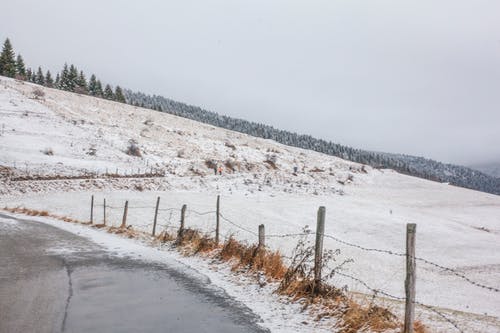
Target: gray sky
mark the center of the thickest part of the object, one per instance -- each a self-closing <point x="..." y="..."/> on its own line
<point x="417" y="77"/>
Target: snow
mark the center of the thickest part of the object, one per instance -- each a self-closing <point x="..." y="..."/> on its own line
<point x="456" y="227"/>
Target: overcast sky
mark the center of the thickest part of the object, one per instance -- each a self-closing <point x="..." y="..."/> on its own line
<point x="417" y="77"/>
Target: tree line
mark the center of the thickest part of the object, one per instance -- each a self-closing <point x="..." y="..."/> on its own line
<point x="71" y="79"/>
<point x="68" y="79"/>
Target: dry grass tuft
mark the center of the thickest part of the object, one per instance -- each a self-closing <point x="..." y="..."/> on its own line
<point x="193" y="242"/>
<point x="356" y="317"/>
<point x="253" y="258"/>
<point x="35" y="212"/>
<point x="420" y="328"/>
<point x="27" y="211"/>
<point x="163" y="237"/>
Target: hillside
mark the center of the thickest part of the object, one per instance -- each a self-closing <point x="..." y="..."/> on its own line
<point x="59" y="149"/>
<point x="407" y="164"/>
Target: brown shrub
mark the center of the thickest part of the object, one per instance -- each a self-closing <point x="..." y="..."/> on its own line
<point x="211" y="164"/>
<point x="355" y="317"/>
<point x="133" y="148"/>
<point x="38" y="93"/>
<point x="253" y="258"/>
<point x="230" y="165"/>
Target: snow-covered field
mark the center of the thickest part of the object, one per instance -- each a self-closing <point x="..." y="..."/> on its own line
<point x="456" y="228"/>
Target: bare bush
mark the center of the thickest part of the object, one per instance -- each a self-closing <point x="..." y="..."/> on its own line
<point x="230" y="165"/>
<point x="133" y="148"/>
<point x="271" y="160"/>
<point x="211" y="164"/>
<point x="230" y="145"/>
<point x="38" y="93"/>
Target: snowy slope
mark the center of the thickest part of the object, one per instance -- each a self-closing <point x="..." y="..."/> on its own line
<point x="457" y="228"/>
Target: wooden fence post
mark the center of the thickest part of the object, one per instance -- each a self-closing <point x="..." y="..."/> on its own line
<point x="125" y="211"/>
<point x="262" y="237"/>
<point x="92" y="209"/>
<point x="183" y="216"/>
<point x="104" y="211"/>
<point x="217" y="221"/>
<point x="318" y="249"/>
<point x="156" y="215"/>
<point x="411" y="277"/>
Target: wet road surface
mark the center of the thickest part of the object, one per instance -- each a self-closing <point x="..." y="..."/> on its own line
<point x="55" y="281"/>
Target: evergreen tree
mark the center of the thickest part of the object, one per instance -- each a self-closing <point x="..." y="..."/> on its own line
<point x="29" y="72"/>
<point x="40" y="78"/>
<point x="49" y="82"/>
<point x="7" y="60"/>
<point x="98" y="89"/>
<point x="93" y="85"/>
<point x="108" y="92"/>
<point x="57" y="82"/>
<point x="20" y="68"/>
<point x="81" y="84"/>
<point x="72" y="81"/>
<point x="63" y="83"/>
<point x="119" y="95"/>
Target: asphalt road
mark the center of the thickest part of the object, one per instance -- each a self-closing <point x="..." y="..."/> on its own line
<point x="55" y="281"/>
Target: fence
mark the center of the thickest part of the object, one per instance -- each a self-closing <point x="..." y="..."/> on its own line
<point x="219" y="218"/>
<point x="27" y="172"/>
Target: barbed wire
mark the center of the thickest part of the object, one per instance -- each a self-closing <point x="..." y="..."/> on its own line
<point x="238" y="226"/>
<point x="289" y="235"/>
<point x="451" y="270"/>
<point x="364" y="248"/>
<point x="141" y="207"/>
<point x="108" y="206"/>
<point x="458" y="274"/>
<point x="201" y="213"/>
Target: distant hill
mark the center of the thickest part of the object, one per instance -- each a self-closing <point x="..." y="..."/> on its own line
<point x="492" y="168"/>
<point x="407" y="164"/>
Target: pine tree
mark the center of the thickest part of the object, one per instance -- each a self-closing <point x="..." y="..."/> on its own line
<point x="98" y="89"/>
<point x="49" y="82"/>
<point x="119" y="95"/>
<point x="63" y="83"/>
<point x="57" y="82"/>
<point x="72" y="81"/>
<point x="93" y="85"/>
<point x="7" y="61"/>
<point x="28" y="74"/>
<point x="20" y="68"/>
<point x="81" y="84"/>
<point x="108" y="92"/>
<point x="40" y="78"/>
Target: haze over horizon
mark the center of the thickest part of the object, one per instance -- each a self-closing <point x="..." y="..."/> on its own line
<point x="419" y="78"/>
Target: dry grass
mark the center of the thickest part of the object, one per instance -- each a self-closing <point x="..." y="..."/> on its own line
<point x="192" y="241"/>
<point x="211" y="164"/>
<point x="271" y="164"/>
<point x="357" y="316"/>
<point x="253" y="258"/>
<point x="35" y="212"/>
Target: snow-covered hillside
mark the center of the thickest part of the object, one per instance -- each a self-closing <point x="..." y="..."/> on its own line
<point x="69" y="135"/>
